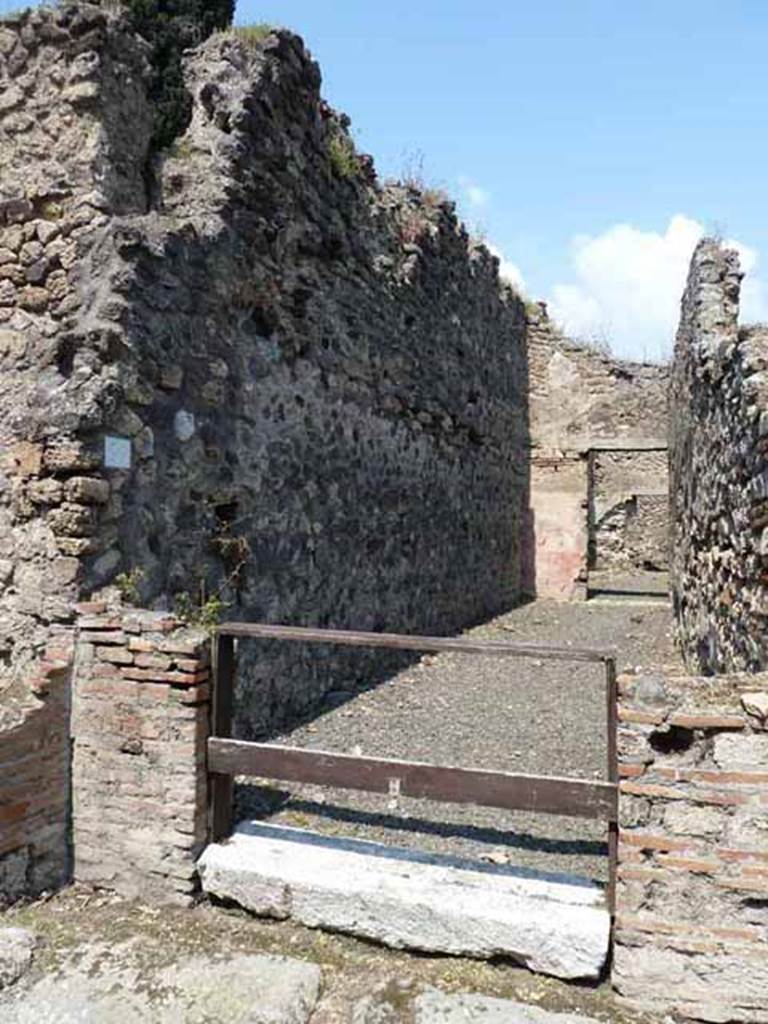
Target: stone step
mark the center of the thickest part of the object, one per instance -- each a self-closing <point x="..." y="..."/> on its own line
<point x="553" y="924"/>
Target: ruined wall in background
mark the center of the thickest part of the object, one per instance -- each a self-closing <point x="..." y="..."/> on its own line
<point x="629" y="508"/>
<point x="719" y="472"/>
<point x="612" y="415"/>
<point x="241" y="369"/>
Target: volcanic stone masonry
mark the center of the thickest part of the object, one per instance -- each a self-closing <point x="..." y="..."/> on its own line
<point x="240" y="370"/>
<point x="719" y="472"/>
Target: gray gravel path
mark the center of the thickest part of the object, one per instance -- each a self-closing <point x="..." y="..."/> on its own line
<point x="527" y="715"/>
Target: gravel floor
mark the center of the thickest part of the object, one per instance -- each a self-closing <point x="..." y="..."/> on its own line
<point x="528" y="715"/>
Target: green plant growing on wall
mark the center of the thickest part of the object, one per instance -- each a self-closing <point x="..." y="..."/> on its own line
<point x="253" y="36"/>
<point x="341" y="151"/>
<point x="170" y="27"/>
<point x="205" y="613"/>
<point x="129" y="585"/>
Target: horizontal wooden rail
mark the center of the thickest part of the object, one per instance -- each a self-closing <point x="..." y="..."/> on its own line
<point x="397" y="641"/>
<point x="547" y="794"/>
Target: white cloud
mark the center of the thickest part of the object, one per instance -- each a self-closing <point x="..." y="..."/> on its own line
<point x="475" y="195"/>
<point x="508" y="271"/>
<point x="628" y="285"/>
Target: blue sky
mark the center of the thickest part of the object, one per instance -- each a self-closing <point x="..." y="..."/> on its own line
<point x="566" y="118"/>
<point x="590" y="141"/>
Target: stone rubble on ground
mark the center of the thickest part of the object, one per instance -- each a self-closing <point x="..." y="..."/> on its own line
<point x="17" y="947"/>
<point x="435" y="1007"/>
<point x="196" y="990"/>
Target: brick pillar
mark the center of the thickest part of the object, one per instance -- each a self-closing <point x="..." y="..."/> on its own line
<point x="692" y="900"/>
<point x="34" y="776"/>
<point x="140" y="723"/>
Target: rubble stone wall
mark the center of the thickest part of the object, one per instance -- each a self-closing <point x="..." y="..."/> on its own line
<point x="612" y="414"/>
<point x="691" y="933"/>
<point x="719" y="472"/>
<point x="240" y="371"/>
<point x="72" y="144"/>
<point x="140" y="721"/>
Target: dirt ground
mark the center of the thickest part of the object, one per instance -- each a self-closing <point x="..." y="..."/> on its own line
<point x="525" y="715"/>
<point x="113" y="938"/>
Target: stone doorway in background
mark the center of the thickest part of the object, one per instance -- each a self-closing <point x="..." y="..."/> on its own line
<point x="627" y="521"/>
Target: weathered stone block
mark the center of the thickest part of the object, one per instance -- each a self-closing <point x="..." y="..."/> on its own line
<point x="558" y="927"/>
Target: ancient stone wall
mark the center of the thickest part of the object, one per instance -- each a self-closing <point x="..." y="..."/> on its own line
<point x="691" y="933"/>
<point x="241" y="371"/>
<point x="72" y="115"/>
<point x="611" y="414"/>
<point x="140" y="721"/>
<point x="719" y="473"/>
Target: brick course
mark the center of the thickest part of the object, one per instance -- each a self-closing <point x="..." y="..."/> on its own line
<point x="691" y="931"/>
<point x="139" y="776"/>
<point x="34" y="777"/>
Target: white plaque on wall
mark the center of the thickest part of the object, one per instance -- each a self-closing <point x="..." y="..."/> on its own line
<point x="117" y="452"/>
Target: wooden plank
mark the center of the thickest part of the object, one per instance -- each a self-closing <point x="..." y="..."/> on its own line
<point x="221" y="725"/>
<point x="397" y="641"/>
<point x="548" y="794"/>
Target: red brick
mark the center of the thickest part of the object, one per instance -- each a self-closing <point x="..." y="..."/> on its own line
<point x="187" y="678"/>
<point x="115" y="655"/>
<point x="706" y="867"/>
<point x="136" y="643"/>
<point x="193" y="694"/>
<point x="704" y="721"/>
<point x="654" y="842"/>
<point x="143" y="675"/>
<point x="631" y="771"/>
<point x="179" y="646"/>
<point x="157" y="693"/>
<point x="105" y="637"/>
<point x="191" y="664"/>
<point x="738" y="856"/>
<point x="110" y="688"/>
<point x="638" y="874"/>
<point x="100" y="622"/>
<point x="154" y="661"/>
<point x="702" y="775"/>
<point x="640" y="717"/>
<point x="645" y="789"/>
<point x="719" y="799"/>
<point x="91" y="607"/>
<point x="744" y="884"/>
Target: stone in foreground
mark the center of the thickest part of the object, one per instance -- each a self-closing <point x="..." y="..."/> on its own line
<point x="467" y="1008"/>
<point x="17" y="946"/>
<point x="104" y="987"/>
<point x="554" y="924"/>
